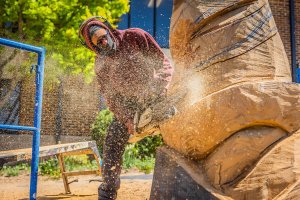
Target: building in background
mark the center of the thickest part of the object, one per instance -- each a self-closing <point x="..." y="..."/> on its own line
<point x="152" y="16"/>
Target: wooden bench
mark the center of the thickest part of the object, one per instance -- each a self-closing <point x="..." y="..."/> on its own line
<point x="60" y="150"/>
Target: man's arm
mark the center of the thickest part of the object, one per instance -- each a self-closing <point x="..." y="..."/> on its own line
<point x="164" y="70"/>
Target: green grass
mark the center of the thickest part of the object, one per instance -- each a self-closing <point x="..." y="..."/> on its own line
<point x="51" y="167"/>
<point x="132" y="159"/>
<point x="72" y="163"/>
<point x="14" y="170"/>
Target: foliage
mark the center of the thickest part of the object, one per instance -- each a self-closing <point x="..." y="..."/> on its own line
<point x="14" y="170"/>
<point x="99" y="127"/>
<point x="54" y="25"/>
<point x="143" y="149"/>
<point x="147" y="146"/>
<point x="142" y="154"/>
<point x="50" y="167"/>
<point x="146" y="165"/>
<point x="72" y="163"/>
<point x="129" y="156"/>
<point x="82" y="162"/>
<point x="131" y="159"/>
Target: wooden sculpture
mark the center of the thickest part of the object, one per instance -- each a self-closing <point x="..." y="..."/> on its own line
<point x="238" y="122"/>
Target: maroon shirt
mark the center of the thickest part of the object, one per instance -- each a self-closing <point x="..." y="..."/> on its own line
<point x="134" y="75"/>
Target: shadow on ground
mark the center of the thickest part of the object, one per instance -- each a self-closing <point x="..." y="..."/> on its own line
<point x="60" y="196"/>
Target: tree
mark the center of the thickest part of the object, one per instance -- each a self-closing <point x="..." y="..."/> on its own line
<point x="54" y="25"/>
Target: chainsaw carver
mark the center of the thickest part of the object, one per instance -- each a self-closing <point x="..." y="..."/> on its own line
<point x="133" y="74"/>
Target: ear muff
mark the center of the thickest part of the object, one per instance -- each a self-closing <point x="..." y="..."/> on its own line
<point x="83" y="24"/>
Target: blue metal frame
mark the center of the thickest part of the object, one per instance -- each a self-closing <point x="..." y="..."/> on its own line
<point x="295" y="69"/>
<point x="36" y="129"/>
<point x="298" y="75"/>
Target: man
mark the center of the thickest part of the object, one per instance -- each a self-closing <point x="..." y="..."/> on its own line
<point x="133" y="74"/>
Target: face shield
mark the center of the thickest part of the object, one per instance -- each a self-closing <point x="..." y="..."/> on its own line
<point x="101" y="38"/>
<point x="94" y="34"/>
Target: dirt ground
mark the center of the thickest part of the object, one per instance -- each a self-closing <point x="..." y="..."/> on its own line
<point x="134" y="186"/>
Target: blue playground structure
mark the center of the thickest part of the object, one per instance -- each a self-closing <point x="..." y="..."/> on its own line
<point x="36" y="129"/>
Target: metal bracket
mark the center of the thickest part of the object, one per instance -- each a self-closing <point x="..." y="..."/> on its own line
<point x="96" y="180"/>
<point x="34" y="67"/>
<point x="73" y="181"/>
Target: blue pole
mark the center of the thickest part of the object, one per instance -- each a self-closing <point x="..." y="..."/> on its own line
<point x="295" y="70"/>
<point x="37" y="123"/>
<point x="17" y="128"/>
<point x="298" y="74"/>
<point x="19" y="45"/>
<point x="41" y="51"/>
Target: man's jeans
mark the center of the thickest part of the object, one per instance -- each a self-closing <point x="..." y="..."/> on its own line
<point x="114" y="146"/>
